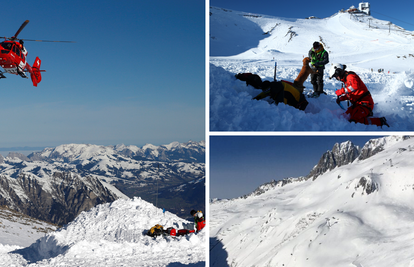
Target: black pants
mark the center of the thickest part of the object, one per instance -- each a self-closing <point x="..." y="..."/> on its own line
<point x="317" y="80"/>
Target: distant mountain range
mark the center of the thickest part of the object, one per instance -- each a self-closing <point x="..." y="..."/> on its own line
<point x="58" y="183"/>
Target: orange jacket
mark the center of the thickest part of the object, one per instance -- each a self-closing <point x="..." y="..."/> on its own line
<point x="200" y="225"/>
<point x="355" y="91"/>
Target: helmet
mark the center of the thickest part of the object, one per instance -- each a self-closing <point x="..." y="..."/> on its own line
<point x="336" y="70"/>
<point x="192" y="212"/>
<point x="316" y="45"/>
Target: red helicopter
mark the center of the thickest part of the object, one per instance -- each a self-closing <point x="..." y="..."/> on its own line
<point x="13" y="57"/>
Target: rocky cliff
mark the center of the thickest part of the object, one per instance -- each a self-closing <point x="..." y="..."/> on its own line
<point x="58" y="200"/>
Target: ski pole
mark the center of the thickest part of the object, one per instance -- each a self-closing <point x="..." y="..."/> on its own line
<point x="274" y="76"/>
<point x="339" y="104"/>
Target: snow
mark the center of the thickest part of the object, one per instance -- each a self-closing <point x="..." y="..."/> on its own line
<point x="113" y="235"/>
<point x="359" y="214"/>
<point x="19" y="229"/>
<point x="239" y="43"/>
<point x="153" y="149"/>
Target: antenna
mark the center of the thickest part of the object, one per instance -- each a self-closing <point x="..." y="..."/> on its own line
<point x="156" y="197"/>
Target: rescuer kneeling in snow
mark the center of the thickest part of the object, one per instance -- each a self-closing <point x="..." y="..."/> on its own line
<point x="357" y="93"/>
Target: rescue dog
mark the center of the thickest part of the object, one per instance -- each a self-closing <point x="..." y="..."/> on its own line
<point x="303" y="75"/>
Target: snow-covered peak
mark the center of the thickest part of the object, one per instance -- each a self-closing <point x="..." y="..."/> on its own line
<point x="71" y="152"/>
<point x="172" y="145"/>
<point x="341" y="154"/>
<point x="346" y="152"/>
<point x="374" y="146"/>
<point x="149" y="146"/>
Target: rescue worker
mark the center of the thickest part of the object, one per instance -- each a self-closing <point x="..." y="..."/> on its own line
<point x="199" y="220"/>
<point x="357" y="93"/>
<point x="319" y="58"/>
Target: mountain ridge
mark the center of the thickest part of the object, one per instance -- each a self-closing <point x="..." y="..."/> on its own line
<point x="341" y="154"/>
<point x="175" y="151"/>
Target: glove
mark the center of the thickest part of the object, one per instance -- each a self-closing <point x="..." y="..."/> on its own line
<point x="338" y="92"/>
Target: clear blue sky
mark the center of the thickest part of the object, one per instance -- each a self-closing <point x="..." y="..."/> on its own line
<point x="240" y="164"/>
<point x="399" y="12"/>
<point x="135" y="75"/>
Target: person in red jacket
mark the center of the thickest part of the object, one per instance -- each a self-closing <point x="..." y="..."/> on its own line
<point x="357" y="93"/>
<point x="199" y="219"/>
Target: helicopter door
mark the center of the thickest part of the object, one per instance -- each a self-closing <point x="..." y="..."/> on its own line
<point x="17" y="51"/>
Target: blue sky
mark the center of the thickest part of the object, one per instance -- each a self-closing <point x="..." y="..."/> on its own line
<point x="240" y="164"/>
<point x="135" y="75"/>
<point x="398" y="12"/>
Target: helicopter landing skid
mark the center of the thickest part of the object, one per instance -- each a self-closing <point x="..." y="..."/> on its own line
<point x="2" y="75"/>
<point x="21" y="73"/>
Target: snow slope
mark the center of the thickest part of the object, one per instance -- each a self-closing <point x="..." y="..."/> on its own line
<point x="359" y="214"/>
<point x="19" y="229"/>
<point x="244" y="42"/>
<point x="112" y="235"/>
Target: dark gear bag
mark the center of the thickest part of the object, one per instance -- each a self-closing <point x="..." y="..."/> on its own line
<point x="283" y="92"/>
<point x="250" y="79"/>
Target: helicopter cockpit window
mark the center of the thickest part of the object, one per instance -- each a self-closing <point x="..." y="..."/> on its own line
<point x="6" y="46"/>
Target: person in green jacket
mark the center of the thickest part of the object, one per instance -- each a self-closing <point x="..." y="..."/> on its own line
<point x="319" y="58"/>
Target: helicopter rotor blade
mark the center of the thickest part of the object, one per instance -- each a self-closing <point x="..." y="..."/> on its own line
<point x="30" y="40"/>
<point x="19" y="30"/>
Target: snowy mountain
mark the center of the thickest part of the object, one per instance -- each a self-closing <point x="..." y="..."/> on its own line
<point x="109" y="172"/>
<point x="340" y="155"/>
<point x="173" y="152"/>
<point x="57" y="197"/>
<point x="345" y="153"/>
<point x="358" y="214"/>
<point x="244" y="42"/>
<point x="113" y="235"/>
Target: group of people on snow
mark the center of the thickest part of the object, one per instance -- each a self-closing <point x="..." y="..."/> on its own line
<point x="199" y="224"/>
<point x="354" y="90"/>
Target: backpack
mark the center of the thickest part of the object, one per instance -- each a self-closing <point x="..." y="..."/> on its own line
<point x="293" y="97"/>
<point x="156" y="231"/>
<point x="283" y="92"/>
<point x="250" y="79"/>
